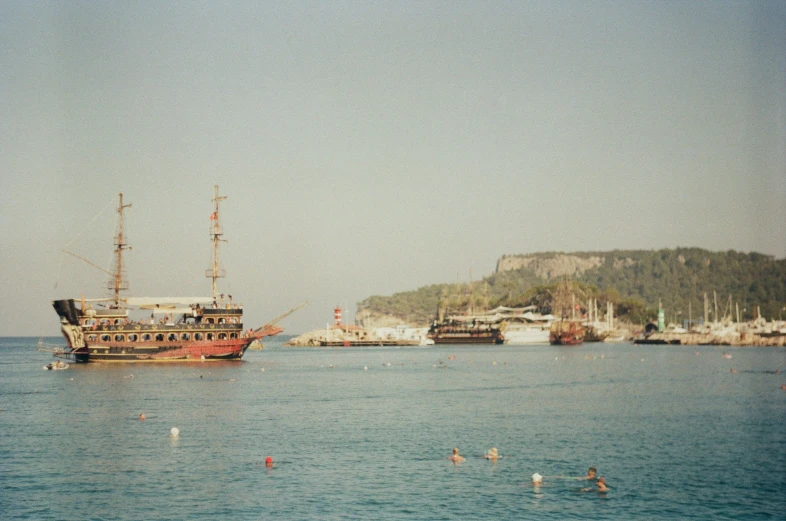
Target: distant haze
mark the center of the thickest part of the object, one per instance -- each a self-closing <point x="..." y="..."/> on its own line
<point x="375" y="147"/>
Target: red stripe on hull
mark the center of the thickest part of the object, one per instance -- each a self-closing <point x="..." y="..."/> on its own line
<point x="225" y="349"/>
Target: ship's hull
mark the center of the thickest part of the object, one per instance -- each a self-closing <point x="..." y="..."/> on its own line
<point x="467" y="340"/>
<point x="565" y="340"/>
<point x="453" y="335"/>
<point x="128" y="341"/>
<point x="164" y="352"/>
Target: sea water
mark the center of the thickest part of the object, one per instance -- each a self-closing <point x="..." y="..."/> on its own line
<point x="365" y="434"/>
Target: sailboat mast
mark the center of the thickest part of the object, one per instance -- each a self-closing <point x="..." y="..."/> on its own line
<point x="216" y="234"/>
<point x="118" y="283"/>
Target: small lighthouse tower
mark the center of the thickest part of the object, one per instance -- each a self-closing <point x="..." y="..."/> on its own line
<point x="337" y="316"/>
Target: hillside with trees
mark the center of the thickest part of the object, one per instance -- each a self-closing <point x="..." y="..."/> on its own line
<point x="633" y="280"/>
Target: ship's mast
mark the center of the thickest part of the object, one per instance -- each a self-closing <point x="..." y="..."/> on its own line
<point x="216" y="234"/>
<point x="118" y="282"/>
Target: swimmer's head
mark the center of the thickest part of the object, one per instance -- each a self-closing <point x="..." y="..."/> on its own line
<point x="269" y="461"/>
<point x="537" y="479"/>
<point x="455" y="450"/>
<point x="592" y="471"/>
<point x="601" y="481"/>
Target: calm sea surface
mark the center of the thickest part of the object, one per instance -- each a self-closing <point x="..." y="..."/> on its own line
<point x="676" y="434"/>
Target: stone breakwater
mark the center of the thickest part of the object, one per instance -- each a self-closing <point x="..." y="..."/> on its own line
<point x="310" y="339"/>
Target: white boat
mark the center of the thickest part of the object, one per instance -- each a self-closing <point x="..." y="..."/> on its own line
<point x="523" y="326"/>
<point x="523" y="334"/>
<point x="56" y="366"/>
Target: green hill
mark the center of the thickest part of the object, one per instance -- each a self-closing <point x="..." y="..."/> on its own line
<point x="633" y="280"/>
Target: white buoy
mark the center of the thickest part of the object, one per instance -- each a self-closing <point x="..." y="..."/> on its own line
<point x="365" y="368"/>
<point x="174" y="432"/>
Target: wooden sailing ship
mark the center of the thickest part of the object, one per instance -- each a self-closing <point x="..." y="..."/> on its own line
<point x="149" y="329"/>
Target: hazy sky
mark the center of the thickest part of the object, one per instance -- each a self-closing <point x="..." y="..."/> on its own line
<point x="375" y="147"/>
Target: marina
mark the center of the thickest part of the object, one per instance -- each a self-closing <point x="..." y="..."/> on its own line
<point x="734" y="337"/>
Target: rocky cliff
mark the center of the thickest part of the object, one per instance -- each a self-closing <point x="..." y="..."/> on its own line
<point x="556" y="265"/>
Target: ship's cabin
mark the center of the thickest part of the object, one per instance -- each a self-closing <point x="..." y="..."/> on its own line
<point x="112" y="316"/>
<point x="160" y="317"/>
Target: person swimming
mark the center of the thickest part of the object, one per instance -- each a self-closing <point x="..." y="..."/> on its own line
<point x="456" y="457"/>
<point x="492" y="454"/>
<point x="601" y="484"/>
<point x="537" y="479"/>
<point x="269" y="462"/>
<point x="591" y="473"/>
